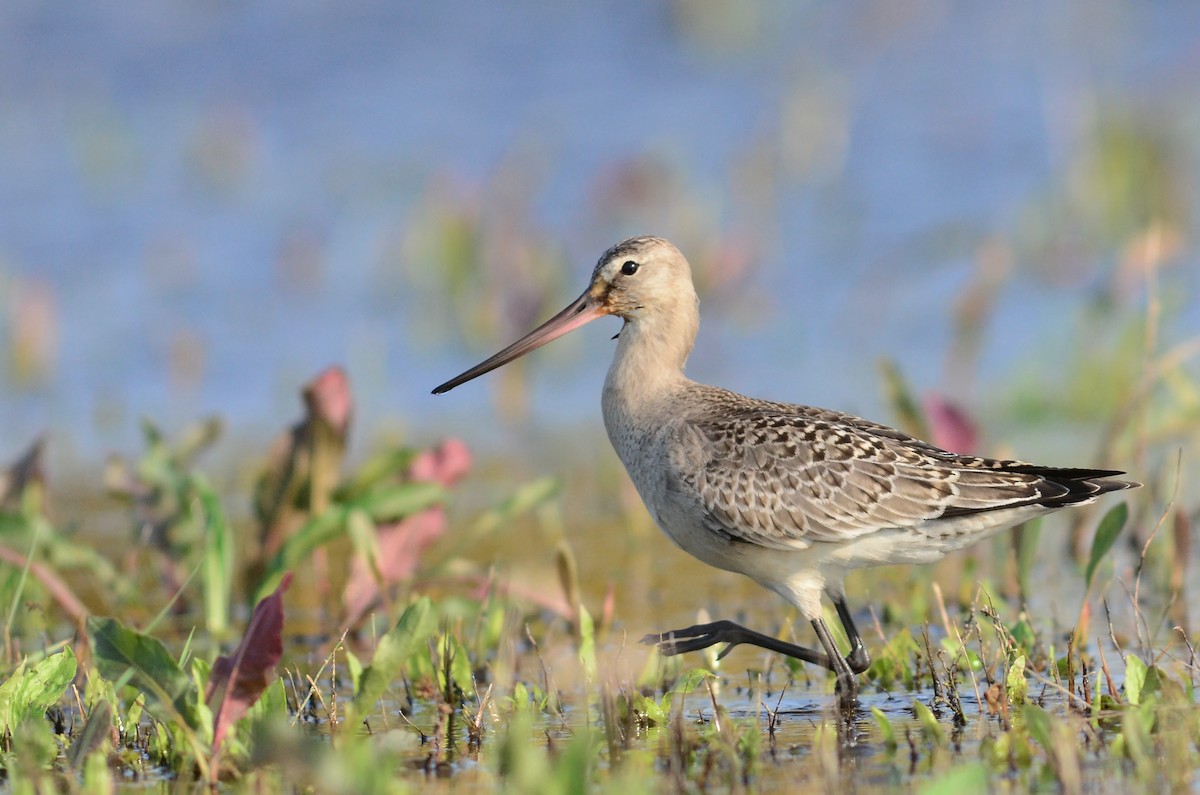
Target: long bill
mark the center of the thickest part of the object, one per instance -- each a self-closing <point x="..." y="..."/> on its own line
<point x="584" y="310"/>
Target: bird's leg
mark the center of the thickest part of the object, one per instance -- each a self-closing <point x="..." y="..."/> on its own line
<point x="846" y="668"/>
<point x="701" y="636"/>
<point x="858" y="658"/>
<point x="847" y="687"/>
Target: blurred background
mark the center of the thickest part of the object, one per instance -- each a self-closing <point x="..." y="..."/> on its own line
<point x="205" y="203"/>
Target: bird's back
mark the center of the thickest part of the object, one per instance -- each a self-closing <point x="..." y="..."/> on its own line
<point x="784" y="475"/>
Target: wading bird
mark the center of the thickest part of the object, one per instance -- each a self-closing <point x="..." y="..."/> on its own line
<point x="791" y="496"/>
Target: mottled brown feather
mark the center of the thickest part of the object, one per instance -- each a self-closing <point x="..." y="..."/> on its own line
<point x="776" y="473"/>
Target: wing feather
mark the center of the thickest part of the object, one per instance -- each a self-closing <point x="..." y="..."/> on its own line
<point x="782" y="475"/>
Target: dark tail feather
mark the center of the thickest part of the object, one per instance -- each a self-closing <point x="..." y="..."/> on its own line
<point x="1078" y="485"/>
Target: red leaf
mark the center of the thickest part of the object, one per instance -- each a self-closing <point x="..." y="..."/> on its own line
<point x="239" y="679"/>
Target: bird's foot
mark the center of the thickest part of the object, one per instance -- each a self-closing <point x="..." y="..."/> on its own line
<point x="696" y="637"/>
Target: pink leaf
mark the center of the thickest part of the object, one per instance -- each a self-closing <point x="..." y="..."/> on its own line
<point x="328" y="397"/>
<point x="444" y="464"/>
<point x="400" y="544"/>
<point x="952" y="429"/>
<point x="239" y="679"/>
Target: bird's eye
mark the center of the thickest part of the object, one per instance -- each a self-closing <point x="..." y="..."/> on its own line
<point x="629" y="268"/>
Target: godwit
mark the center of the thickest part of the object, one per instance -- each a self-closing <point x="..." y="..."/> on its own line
<point x="791" y="496"/>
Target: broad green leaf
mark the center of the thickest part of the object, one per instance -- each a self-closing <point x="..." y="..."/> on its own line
<point x="30" y="691"/>
<point x="686" y="684"/>
<point x="651" y="709"/>
<point x="1136" y="725"/>
<point x="411" y="632"/>
<point x="570" y="771"/>
<point x="1015" y="684"/>
<point x="1106" y="536"/>
<point x="1135" y="678"/>
<point x="97" y="776"/>
<point x="886" y="732"/>
<point x="1037" y="723"/>
<point x="956" y="650"/>
<point x="48" y="680"/>
<point x="354" y="668"/>
<point x="930" y="728"/>
<point x="151" y="668"/>
<point x="692" y="680"/>
<point x="1160" y="685"/>
<point x="1023" y="635"/>
<point x="9" y="695"/>
<point x="396" y="502"/>
<point x="520" y="697"/>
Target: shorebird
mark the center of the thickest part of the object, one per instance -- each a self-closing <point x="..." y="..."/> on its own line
<point x="791" y="496"/>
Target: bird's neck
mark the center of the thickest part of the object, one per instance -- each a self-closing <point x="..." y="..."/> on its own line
<point x="648" y="364"/>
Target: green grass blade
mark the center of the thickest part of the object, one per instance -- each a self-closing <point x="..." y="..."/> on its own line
<point x="16" y="597"/>
<point x="1027" y="541"/>
<point x="218" y="560"/>
<point x="527" y="497"/>
<point x="1106" y="536"/>
<point x="587" y="645"/>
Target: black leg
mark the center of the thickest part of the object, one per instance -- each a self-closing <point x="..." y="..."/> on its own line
<point x="858" y="658"/>
<point x="701" y="636"/>
<point x="847" y="687"/>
